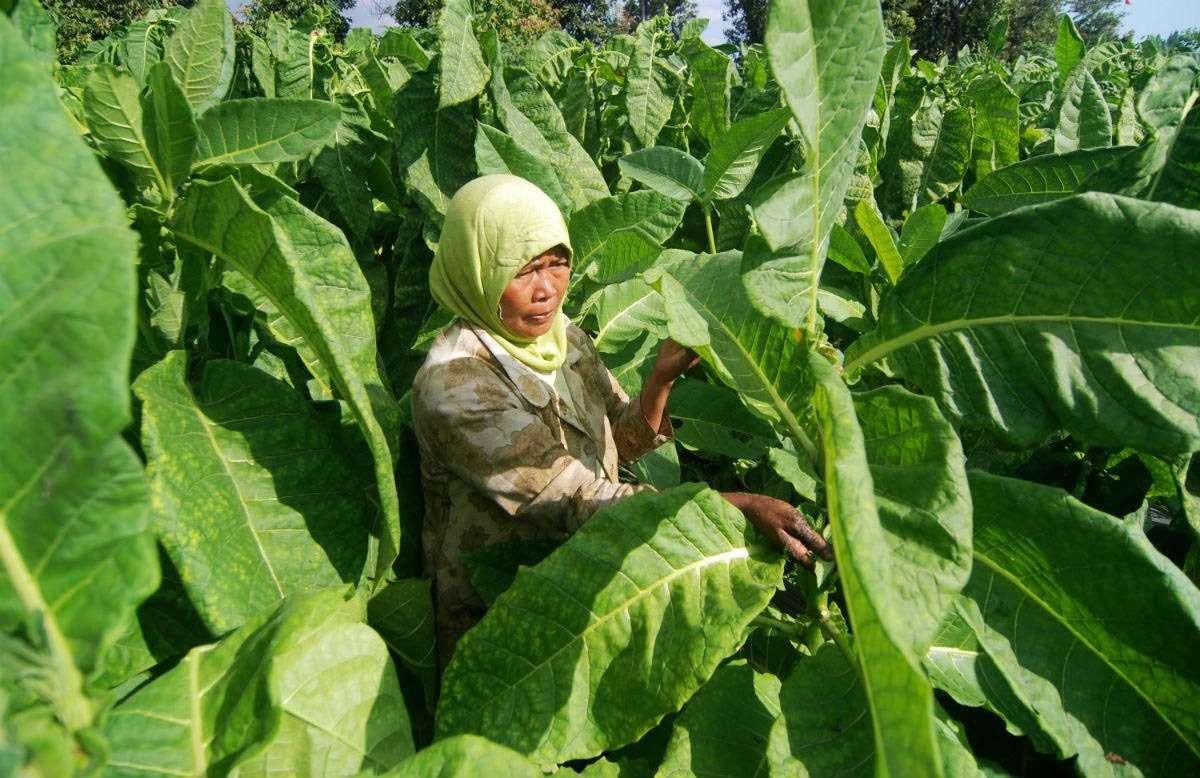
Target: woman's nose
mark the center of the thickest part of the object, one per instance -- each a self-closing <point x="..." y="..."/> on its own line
<point x="543" y="289"/>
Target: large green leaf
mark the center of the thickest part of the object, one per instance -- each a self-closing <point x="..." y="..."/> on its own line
<point x="713" y="419"/>
<point x="581" y="179"/>
<point x="668" y="170"/>
<point x="1057" y="317"/>
<point x="494" y="567"/>
<point x="253" y="496"/>
<point x="434" y="149"/>
<point x="552" y="57"/>
<point x="923" y="500"/>
<point x="1165" y="167"/>
<point x="294" y="59"/>
<point x="1037" y="180"/>
<point x="921" y="232"/>
<point x="617" y="236"/>
<point x="402" y="613"/>
<point x="928" y="161"/>
<point x="708" y="310"/>
<point x="463" y="755"/>
<point x="261" y="130"/>
<point x="710" y="73"/>
<point x="143" y="44"/>
<point x="1068" y="47"/>
<point x="617" y="628"/>
<point x="647" y="95"/>
<point x="201" y="54"/>
<point x="825" y="726"/>
<point x="997" y="116"/>
<point x="976" y="665"/>
<point x="303" y="266"/>
<point x="898" y="695"/>
<point x="949" y="153"/>
<point x="723" y="730"/>
<point x="401" y="44"/>
<point x="826" y="57"/>
<point x="343" y="168"/>
<point x="170" y="129"/>
<point x="305" y="690"/>
<point x="463" y="73"/>
<point x="736" y="152"/>
<point x="498" y="152"/>
<point x="781" y="284"/>
<point x="877" y="232"/>
<point x="1085" y="602"/>
<point x="624" y="312"/>
<point x="75" y="556"/>
<point x="114" y="116"/>
<point x="1084" y="121"/>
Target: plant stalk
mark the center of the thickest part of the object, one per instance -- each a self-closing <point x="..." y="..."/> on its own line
<point x="832" y="632"/>
<point x="712" y="242"/>
<point x="794" y="629"/>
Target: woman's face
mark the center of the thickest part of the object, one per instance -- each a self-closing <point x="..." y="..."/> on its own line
<point x="531" y="299"/>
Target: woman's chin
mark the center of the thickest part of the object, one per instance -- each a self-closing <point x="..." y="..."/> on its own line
<point x="534" y="327"/>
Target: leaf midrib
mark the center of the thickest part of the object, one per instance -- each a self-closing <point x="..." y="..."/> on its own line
<point x="28" y="592"/>
<point x="927" y="330"/>
<point x="232" y="155"/>
<point x="997" y="569"/>
<point x="217" y="453"/>
<point x="785" y="411"/>
<point x="621" y="312"/>
<point x="740" y="552"/>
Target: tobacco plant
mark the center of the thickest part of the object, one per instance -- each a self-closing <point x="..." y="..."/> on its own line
<point x="950" y="310"/>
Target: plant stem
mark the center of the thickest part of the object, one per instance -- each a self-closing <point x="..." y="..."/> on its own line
<point x="837" y="636"/>
<point x="831" y="630"/>
<point x="712" y="242"/>
<point x="793" y="628"/>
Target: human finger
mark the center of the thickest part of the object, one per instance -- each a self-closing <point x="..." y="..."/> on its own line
<point x="811" y="538"/>
<point x="796" y="550"/>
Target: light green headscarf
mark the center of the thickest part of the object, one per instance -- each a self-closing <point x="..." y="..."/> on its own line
<point x="494" y="226"/>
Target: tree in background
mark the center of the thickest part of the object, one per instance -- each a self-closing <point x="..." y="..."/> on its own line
<point x="412" y="13"/>
<point x="1032" y="25"/>
<point x="747" y="20"/>
<point x="1183" y="40"/>
<point x="945" y="26"/>
<point x="258" y="11"/>
<point x="1097" y="19"/>
<point x="520" y="19"/>
<point x="634" y="12"/>
<point x="80" y="22"/>
<point x="586" y="19"/>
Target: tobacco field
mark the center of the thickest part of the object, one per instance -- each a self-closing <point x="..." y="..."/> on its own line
<point x="950" y="310"/>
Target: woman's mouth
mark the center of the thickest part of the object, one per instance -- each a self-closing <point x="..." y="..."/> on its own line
<point x="540" y="318"/>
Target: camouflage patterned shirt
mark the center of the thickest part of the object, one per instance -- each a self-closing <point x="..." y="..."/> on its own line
<point x="504" y="459"/>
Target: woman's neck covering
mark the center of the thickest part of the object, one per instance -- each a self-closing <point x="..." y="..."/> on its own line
<point x="494" y="225"/>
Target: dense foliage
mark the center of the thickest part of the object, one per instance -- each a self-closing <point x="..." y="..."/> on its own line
<point x="952" y="311"/>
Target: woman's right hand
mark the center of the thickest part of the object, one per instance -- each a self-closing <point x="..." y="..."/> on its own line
<point x="673" y="360"/>
<point x="783" y="525"/>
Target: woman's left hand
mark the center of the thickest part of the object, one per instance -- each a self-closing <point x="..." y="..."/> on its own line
<point x="673" y="361"/>
<point x="784" y="525"/>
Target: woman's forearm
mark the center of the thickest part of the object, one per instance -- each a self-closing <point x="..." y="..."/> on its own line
<point x="653" y="399"/>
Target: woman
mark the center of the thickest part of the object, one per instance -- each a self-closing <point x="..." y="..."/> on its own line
<point x="521" y="426"/>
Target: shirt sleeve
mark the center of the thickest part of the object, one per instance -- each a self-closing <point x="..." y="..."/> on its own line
<point x="484" y="435"/>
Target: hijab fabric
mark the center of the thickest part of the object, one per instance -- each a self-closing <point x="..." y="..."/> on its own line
<point x="494" y="225"/>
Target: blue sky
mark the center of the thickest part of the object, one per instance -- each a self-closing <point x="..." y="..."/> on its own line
<point x="1143" y="17"/>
